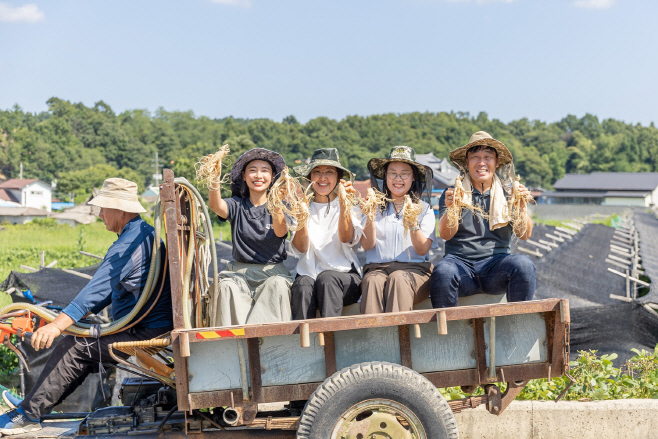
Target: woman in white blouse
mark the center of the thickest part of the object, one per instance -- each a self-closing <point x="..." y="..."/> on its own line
<point x="328" y="274"/>
<point x="397" y="271"/>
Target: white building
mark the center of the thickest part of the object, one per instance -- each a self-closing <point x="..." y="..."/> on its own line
<point x="27" y="193"/>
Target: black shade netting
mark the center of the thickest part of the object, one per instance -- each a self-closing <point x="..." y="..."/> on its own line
<point x="613" y="329"/>
<point x="48" y="284"/>
<point x="577" y="270"/>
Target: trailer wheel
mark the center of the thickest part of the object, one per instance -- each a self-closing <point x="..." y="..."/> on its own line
<point x="377" y="399"/>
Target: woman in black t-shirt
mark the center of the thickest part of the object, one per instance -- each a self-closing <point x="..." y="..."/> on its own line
<point x="255" y="287"/>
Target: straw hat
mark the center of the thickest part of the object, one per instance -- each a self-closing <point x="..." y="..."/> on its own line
<point x="120" y="194"/>
<point x="273" y="158"/>
<point x="402" y="154"/>
<point x="323" y="157"/>
<point x="458" y="156"/>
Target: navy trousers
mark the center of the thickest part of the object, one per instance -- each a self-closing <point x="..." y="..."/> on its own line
<point x="455" y="277"/>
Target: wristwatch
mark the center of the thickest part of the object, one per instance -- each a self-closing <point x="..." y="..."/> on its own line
<point x="413" y="229"/>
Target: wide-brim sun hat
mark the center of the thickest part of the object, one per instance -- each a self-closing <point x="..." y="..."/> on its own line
<point x="119" y="194"/>
<point x="458" y="156"/>
<point x="323" y="157"/>
<point x="274" y="158"/>
<point x="404" y="154"/>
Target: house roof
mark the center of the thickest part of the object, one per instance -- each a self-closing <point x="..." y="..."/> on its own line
<point x="15" y="183"/>
<point x="78" y="217"/>
<point x="609" y="181"/>
<point x="441" y="168"/>
<point x="6" y="195"/>
<point x="22" y="211"/>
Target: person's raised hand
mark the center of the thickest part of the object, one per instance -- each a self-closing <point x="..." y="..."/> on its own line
<point x="348" y="187"/>
<point x="450" y="196"/>
<point x="524" y="192"/>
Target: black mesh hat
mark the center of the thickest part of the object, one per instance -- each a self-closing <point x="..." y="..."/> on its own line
<point x="273" y="158"/>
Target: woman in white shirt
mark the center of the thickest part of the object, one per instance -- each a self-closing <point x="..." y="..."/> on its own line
<point x="328" y="273"/>
<point x="397" y="271"/>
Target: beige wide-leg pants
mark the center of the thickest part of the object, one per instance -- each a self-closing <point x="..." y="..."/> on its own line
<point x="394" y="286"/>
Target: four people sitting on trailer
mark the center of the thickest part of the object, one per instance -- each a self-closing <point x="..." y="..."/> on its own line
<point x="256" y="287"/>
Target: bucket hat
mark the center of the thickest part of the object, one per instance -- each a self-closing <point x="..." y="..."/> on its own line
<point x="458" y="156"/>
<point x="403" y="154"/>
<point x="273" y="158"/>
<point x="323" y="157"/>
<point x="120" y="194"/>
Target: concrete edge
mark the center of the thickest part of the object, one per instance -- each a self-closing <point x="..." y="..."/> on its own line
<point x="626" y="418"/>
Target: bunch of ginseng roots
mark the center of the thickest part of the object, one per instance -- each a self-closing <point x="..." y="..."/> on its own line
<point x="288" y="195"/>
<point x="374" y="201"/>
<point x="518" y="209"/>
<point x="410" y="212"/>
<point x="454" y="212"/>
<point x="209" y="169"/>
<point x="347" y="199"/>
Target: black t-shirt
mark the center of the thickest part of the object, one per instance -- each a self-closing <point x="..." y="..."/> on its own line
<point x="254" y="240"/>
<point x="473" y="239"/>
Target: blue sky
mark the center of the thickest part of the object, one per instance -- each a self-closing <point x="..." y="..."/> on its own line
<point x="540" y="59"/>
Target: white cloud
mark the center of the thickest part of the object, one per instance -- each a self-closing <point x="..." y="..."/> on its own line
<point x="239" y="3"/>
<point x="594" y="4"/>
<point x="20" y="14"/>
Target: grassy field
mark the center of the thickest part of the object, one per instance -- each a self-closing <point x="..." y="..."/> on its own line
<point x="22" y="244"/>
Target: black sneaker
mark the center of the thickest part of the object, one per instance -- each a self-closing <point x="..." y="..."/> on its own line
<point x="15" y="422"/>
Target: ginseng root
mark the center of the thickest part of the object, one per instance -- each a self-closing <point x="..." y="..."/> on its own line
<point x="288" y="194"/>
<point x="209" y="169"/>
<point x="347" y="200"/>
<point x="374" y="201"/>
<point x="454" y="212"/>
<point x="518" y="207"/>
<point x="410" y="213"/>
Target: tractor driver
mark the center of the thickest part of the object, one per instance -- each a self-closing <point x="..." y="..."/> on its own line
<point x="119" y="281"/>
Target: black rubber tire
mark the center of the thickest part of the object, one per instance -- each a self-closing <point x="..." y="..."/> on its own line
<point x="373" y="380"/>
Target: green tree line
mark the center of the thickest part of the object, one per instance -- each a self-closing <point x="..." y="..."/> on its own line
<point x="80" y="146"/>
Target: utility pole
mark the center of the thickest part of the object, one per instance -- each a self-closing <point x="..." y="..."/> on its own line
<point x="20" y="172"/>
<point x="157" y="177"/>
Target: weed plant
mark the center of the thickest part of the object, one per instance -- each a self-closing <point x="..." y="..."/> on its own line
<point x="596" y="378"/>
